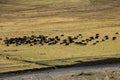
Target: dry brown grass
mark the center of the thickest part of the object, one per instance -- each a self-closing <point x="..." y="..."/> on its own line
<point x="56" y="18"/>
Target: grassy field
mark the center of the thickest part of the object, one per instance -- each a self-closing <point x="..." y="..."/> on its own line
<point x="52" y="18"/>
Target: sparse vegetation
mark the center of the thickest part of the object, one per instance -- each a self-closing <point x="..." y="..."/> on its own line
<point x="84" y="74"/>
<point x="93" y="75"/>
<point x="52" y="18"/>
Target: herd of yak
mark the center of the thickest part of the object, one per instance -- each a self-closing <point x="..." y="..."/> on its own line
<point x="42" y="40"/>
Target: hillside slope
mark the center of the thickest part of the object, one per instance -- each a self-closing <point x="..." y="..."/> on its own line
<point x="52" y="18"/>
<point x="45" y="8"/>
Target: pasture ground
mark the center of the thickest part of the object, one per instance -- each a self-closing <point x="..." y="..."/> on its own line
<point x="52" y="18"/>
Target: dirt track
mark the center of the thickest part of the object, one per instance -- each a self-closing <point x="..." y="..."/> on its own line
<point x="56" y="74"/>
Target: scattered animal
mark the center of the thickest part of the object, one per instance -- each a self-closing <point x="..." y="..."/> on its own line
<point x="42" y="39"/>
<point x="114" y="38"/>
<point x="0" y="38"/>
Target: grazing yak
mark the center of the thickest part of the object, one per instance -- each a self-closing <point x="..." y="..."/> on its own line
<point x="42" y="39"/>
